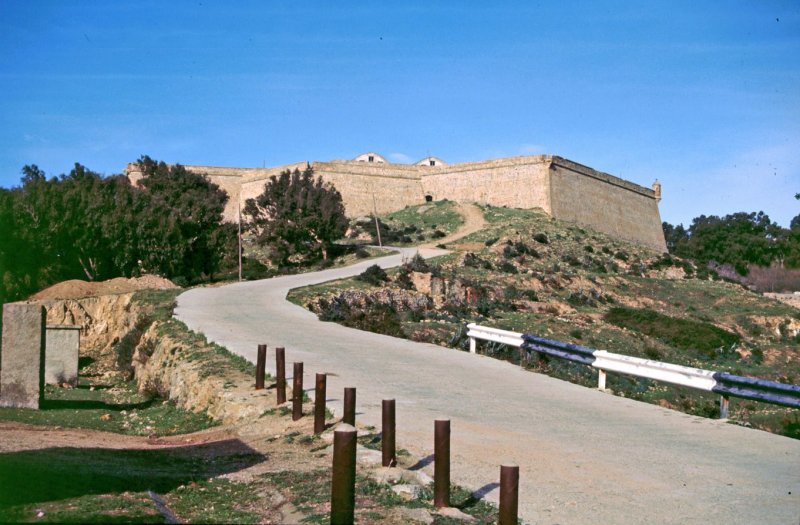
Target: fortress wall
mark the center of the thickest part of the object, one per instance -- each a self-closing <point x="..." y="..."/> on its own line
<point x="564" y="189"/>
<point x="605" y="203"/>
<point x="394" y="186"/>
<point x="240" y="183"/>
<point x="519" y="182"/>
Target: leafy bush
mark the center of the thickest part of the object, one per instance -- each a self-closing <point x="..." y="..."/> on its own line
<point x="541" y="238"/>
<point x="374" y="275"/>
<point x="507" y="267"/>
<point x="361" y="253"/>
<point x="417" y="264"/>
<point x="684" y="334"/>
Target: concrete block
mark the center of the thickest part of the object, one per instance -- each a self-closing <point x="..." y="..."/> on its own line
<point x="61" y="354"/>
<point x="22" y="356"/>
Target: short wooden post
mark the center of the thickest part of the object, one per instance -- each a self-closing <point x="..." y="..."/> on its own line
<point x="261" y="366"/>
<point x="343" y="479"/>
<point x="509" y="495"/>
<point x="349" y="415"/>
<point x="441" y="463"/>
<point x="280" y="372"/>
<point x="297" y="392"/>
<point x="388" y="451"/>
<point x="319" y="404"/>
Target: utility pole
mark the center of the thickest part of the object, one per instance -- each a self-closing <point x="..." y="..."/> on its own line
<point x="240" y="237"/>
<point x="375" y="214"/>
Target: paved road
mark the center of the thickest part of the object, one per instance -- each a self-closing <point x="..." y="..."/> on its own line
<point x="584" y="456"/>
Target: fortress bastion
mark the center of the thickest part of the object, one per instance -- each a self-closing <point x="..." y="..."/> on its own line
<point x="564" y="189"/>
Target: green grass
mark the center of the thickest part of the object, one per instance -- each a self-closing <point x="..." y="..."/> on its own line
<point x="99" y="485"/>
<point x="111" y="407"/>
<point x="684" y="334"/>
<point x="310" y="492"/>
<point x="439" y="215"/>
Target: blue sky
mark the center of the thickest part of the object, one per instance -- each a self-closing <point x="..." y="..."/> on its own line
<point x="704" y="96"/>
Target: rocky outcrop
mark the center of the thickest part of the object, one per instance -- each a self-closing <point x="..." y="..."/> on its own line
<point x="193" y="375"/>
<point x="104" y="320"/>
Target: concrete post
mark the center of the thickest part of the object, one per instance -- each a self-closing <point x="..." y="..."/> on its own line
<point x="62" y="346"/>
<point x="601" y="379"/>
<point x="22" y="356"/>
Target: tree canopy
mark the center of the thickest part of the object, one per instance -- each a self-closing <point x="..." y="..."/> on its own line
<point x="740" y="239"/>
<point x="296" y="216"/>
<point x="85" y="226"/>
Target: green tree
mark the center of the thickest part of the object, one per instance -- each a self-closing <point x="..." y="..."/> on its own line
<point x="675" y="237"/>
<point x="739" y="239"/>
<point x="181" y="234"/>
<point x="296" y="216"/>
<point x="84" y="226"/>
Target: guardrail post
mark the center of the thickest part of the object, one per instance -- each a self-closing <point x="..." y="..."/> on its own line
<point x="388" y="453"/>
<point x="343" y="480"/>
<point x="261" y="366"/>
<point x="349" y="415"/>
<point x="319" y="403"/>
<point x="280" y="372"/>
<point x="441" y="463"/>
<point x="297" y="392"/>
<point x="509" y="495"/>
<point x="473" y="345"/>
<point x="601" y="379"/>
<point x="724" y="404"/>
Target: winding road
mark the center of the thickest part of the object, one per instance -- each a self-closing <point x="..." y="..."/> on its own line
<point x="584" y="456"/>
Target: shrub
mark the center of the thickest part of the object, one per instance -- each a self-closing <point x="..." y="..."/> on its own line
<point x="473" y="261"/>
<point x="507" y="267"/>
<point x="588" y="249"/>
<point x="576" y="333"/>
<point x="684" y="334"/>
<point x="374" y="275"/>
<point x="489" y="242"/>
<point x="541" y="238"/>
<point x="622" y="256"/>
<point x="438" y="234"/>
<point x="361" y="253"/>
<point x="417" y="264"/>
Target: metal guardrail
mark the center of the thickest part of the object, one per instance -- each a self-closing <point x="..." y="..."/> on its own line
<point x="723" y="383"/>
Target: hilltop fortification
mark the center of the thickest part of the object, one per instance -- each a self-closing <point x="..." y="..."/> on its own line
<point x="564" y="189"/>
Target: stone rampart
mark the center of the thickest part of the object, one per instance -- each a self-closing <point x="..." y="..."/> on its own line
<point x="563" y="188"/>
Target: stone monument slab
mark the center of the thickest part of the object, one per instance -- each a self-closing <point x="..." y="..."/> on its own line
<point x="22" y="356"/>
<point x="61" y="354"/>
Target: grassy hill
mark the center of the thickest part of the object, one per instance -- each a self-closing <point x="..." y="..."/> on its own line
<point x="531" y="273"/>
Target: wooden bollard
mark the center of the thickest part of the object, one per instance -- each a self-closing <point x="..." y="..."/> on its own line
<point x="509" y="495"/>
<point x="319" y="404"/>
<point x="349" y="415"/>
<point x="297" y="392"/>
<point x="280" y="372"/>
<point x="343" y="480"/>
<point x="261" y="366"/>
<point x="389" y="456"/>
<point x="441" y="463"/>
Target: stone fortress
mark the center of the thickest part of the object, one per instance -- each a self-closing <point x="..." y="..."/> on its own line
<point x="564" y="189"/>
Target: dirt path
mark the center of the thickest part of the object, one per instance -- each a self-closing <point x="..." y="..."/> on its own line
<point x="584" y="456"/>
<point x="473" y="222"/>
